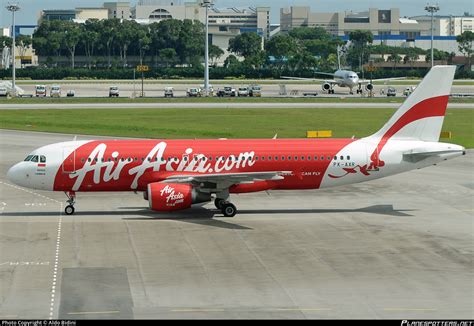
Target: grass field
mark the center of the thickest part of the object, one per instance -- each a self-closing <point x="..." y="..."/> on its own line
<point x="216" y="123"/>
<point x="342" y="99"/>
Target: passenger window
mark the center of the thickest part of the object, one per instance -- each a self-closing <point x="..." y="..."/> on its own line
<point x="263" y="158"/>
<point x="89" y="159"/>
<point x="322" y="158"/>
<point x="348" y="157"/>
<point x="342" y="157"/>
<point x="309" y="158"/>
<point x="335" y="158"/>
<point x="289" y="158"/>
<point x="296" y="158"/>
<point x="35" y="158"/>
<point x="329" y="158"/>
<point x="282" y="158"/>
<point x="315" y="158"/>
<point x="269" y="158"/>
<point x="276" y="158"/>
<point x="302" y="158"/>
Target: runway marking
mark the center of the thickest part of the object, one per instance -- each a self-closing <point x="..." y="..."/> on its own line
<point x="56" y="263"/>
<point x="93" y="312"/>
<point x="58" y="242"/>
<point x="25" y="263"/>
<point x="409" y="309"/>
<point x="197" y="310"/>
<point x="263" y="310"/>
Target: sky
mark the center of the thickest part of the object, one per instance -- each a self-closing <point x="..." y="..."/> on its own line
<point x="31" y="8"/>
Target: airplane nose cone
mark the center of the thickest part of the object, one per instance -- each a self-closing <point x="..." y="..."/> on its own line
<point x="14" y="174"/>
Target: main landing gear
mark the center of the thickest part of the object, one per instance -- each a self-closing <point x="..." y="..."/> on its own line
<point x="71" y="200"/>
<point x="228" y="209"/>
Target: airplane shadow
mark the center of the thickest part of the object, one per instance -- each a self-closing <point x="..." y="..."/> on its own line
<point x="206" y="217"/>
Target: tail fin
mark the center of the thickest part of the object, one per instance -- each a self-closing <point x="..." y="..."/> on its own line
<point x="421" y="116"/>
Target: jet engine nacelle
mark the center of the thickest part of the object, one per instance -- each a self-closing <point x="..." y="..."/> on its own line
<point x="166" y="197"/>
<point x="326" y="87"/>
<point x="369" y="87"/>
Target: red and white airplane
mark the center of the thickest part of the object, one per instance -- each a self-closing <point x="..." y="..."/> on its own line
<point x="174" y="174"/>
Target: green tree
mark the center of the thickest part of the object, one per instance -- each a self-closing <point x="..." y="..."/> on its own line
<point x="283" y="48"/>
<point x="72" y="37"/>
<point x="395" y="58"/>
<point x="168" y="56"/>
<point x="215" y="53"/>
<point x="109" y="30"/>
<point x="360" y="39"/>
<point x="89" y="39"/>
<point x="5" y="41"/>
<point x="144" y="41"/>
<point x="231" y="61"/>
<point x="124" y="37"/>
<point x="465" y="41"/>
<point x="245" y="44"/>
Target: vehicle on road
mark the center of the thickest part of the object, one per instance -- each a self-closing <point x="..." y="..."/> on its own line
<point x="227" y="91"/>
<point x="40" y="91"/>
<point x="409" y="90"/>
<point x="243" y="92"/>
<point x="175" y="174"/>
<point x="169" y="92"/>
<point x="255" y="91"/>
<point x="114" y="91"/>
<point x="3" y="91"/>
<point x="194" y="92"/>
<point x="55" y="91"/>
<point x="391" y="91"/>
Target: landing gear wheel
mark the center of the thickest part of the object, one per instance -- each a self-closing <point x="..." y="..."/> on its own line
<point x="218" y="202"/>
<point x="69" y="210"/>
<point x="229" y="210"/>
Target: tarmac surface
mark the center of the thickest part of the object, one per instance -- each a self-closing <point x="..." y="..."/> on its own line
<point x="153" y="89"/>
<point x="400" y="247"/>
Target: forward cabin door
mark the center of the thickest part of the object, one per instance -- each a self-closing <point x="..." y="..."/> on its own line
<point x="69" y="160"/>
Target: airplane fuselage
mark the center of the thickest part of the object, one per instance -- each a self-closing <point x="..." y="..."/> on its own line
<point x="130" y="165"/>
<point x="346" y="78"/>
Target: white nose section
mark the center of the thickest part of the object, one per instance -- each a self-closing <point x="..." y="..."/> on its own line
<point x="17" y="175"/>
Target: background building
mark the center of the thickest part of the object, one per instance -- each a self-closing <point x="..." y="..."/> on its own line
<point x="386" y="25"/>
<point x="119" y="10"/>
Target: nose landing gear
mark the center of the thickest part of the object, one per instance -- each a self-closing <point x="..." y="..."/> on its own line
<point x="71" y="195"/>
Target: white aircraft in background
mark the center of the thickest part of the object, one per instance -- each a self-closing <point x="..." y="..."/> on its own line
<point x="343" y="78"/>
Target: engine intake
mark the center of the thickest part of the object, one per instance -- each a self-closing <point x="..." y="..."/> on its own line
<point x="166" y="197"/>
<point x="326" y="87"/>
<point x="369" y="87"/>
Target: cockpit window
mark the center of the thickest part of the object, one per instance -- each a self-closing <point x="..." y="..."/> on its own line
<point x="35" y="158"/>
<point x="29" y="157"/>
<point x="43" y="159"/>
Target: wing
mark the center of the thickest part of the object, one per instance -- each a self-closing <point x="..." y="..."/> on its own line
<point x="218" y="182"/>
<point x="368" y="81"/>
<point x="300" y="78"/>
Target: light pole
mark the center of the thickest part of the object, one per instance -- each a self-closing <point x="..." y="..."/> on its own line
<point x="13" y="8"/>
<point x="432" y="9"/>
<point x="207" y="4"/>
